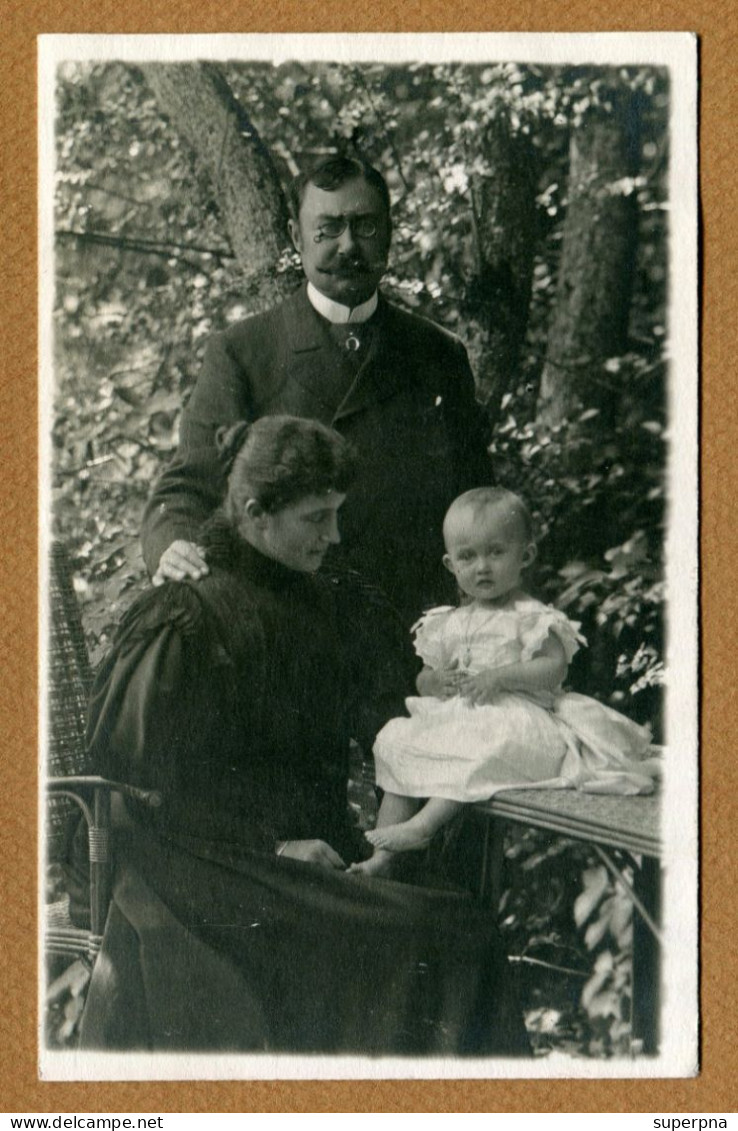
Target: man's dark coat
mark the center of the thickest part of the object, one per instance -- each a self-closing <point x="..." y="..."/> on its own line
<point x="409" y="411"/>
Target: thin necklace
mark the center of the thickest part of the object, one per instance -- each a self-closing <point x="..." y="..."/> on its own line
<point x="468" y="636"/>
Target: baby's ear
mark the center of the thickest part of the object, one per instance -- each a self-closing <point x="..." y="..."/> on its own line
<point x="531" y="552"/>
<point x="448" y="564"/>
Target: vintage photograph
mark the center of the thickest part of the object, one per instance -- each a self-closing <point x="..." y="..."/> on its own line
<point x="369" y="556"/>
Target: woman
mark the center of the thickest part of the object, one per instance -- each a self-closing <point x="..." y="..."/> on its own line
<point x="234" y="922"/>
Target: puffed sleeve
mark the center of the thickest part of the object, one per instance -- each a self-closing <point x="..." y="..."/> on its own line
<point x="133" y="694"/>
<point x="537" y="625"/>
<point x="177" y="706"/>
<point x="143" y="690"/>
<point x="428" y="635"/>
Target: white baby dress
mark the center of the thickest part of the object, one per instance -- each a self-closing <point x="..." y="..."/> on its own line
<point x="450" y="748"/>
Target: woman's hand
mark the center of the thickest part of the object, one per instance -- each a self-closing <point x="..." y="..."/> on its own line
<point x="442" y="684"/>
<point x="481" y="687"/>
<point x="180" y="560"/>
<point x="312" y="852"/>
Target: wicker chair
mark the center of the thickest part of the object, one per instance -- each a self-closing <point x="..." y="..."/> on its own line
<point x="68" y="787"/>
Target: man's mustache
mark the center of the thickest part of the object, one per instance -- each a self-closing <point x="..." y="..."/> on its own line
<point x="355" y="266"/>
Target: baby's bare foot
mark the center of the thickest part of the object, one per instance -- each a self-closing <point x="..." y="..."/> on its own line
<point x="379" y="864"/>
<point x="398" y="838"/>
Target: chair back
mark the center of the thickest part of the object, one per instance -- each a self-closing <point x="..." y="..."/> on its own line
<point x="69" y="683"/>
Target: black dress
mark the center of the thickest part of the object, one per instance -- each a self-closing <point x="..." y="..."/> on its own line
<point x="236" y="697"/>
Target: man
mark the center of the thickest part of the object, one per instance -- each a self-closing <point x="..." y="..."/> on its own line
<point x="395" y="385"/>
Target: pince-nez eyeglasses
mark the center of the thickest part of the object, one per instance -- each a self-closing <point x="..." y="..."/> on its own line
<point x="364" y="227"/>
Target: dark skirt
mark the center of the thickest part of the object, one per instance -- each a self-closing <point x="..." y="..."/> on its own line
<point x="266" y="954"/>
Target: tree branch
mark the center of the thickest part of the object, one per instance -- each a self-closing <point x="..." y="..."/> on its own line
<point x="141" y="243"/>
<point x="396" y="156"/>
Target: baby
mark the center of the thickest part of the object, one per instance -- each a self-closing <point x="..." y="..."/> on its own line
<point x="491" y="713"/>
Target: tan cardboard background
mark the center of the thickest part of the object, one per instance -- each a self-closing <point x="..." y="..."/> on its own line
<point x="714" y="1090"/>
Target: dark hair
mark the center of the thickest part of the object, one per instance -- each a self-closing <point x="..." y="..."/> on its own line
<point x="480" y="498"/>
<point x="278" y="460"/>
<point x="331" y="174"/>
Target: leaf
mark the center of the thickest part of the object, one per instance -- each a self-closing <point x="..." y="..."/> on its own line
<point x="595" y="882"/>
<point x="542" y="1020"/>
<point x="621" y="919"/>
<point x="605" y="1004"/>
<point x="596" y="931"/>
<point x="129" y="396"/>
<point x="104" y="556"/>
<point x="72" y="981"/>
<point x="164" y="402"/>
<point x="602" y="971"/>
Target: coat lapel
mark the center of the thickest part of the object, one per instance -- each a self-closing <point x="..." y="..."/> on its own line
<point x="312" y="356"/>
<point x="309" y="351"/>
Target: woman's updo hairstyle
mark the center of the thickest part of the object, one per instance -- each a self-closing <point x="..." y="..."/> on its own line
<point x="278" y="460"/>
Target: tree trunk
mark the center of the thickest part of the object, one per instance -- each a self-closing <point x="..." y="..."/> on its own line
<point x="590" y="317"/>
<point x="505" y="219"/>
<point x="202" y="108"/>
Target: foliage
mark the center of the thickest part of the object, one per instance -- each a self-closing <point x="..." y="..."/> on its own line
<point x="68" y="983"/>
<point x="603" y="497"/>
<point x="145" y="273"/>
<point x="132" y="315"/>
<point x="568" y="930"/>
<point x="609" y="933"/>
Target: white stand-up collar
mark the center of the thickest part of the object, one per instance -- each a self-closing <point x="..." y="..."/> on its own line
<point x="336" y="312"/>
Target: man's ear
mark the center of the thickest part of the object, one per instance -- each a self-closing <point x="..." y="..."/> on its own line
<point x="448" y="564"/>
<point x="295" y="234"/>
<point x="530" y="554"/>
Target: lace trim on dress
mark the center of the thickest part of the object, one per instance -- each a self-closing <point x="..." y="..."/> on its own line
<point x="535" y="628"/>
<point x="428" y="633"/>
<point x="530" y="624"/>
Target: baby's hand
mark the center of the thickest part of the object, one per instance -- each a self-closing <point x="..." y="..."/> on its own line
<point x="482" y="687"/>
<point x="442" y="684"/>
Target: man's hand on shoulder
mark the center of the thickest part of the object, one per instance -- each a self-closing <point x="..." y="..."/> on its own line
<point x="180" y="561"/>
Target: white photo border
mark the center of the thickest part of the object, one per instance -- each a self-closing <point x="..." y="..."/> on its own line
<point x="677" y="51"/>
